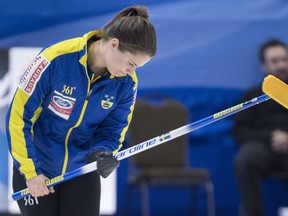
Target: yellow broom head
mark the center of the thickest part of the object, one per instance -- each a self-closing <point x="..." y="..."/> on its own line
<point x="276" y="89"/>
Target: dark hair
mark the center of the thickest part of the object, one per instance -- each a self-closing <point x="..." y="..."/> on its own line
<point x="133" y="29"/>
<point x="269" y="44"/>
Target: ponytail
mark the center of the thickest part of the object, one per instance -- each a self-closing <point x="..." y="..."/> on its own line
<point x="134" y="30"/>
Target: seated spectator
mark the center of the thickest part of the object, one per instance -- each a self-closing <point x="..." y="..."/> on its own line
<point x="262" y="132"/>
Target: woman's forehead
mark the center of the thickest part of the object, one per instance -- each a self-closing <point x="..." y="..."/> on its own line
<point x="138" y="58"/>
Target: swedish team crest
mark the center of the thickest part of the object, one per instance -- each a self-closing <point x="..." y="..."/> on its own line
<point x="107" y="103"/>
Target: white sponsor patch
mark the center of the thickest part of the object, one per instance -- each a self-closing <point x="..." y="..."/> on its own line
<point x="33" y="74"/>
<point x="61" y="105"/>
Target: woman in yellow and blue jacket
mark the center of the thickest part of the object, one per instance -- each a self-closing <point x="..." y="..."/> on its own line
<point x="73" y="106"/>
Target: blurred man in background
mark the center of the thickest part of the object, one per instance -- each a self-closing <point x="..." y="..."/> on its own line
<point x="262" y="132"/>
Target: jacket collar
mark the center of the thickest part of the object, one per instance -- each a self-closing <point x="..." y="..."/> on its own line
<point x="83" y="44"/>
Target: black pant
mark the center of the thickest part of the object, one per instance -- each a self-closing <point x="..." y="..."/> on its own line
<point x="79" y="196"/>
<point x="252" y="163"/>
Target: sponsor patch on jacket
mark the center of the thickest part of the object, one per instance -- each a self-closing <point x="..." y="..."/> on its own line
<point x="107" y="103"/>
<point x="33" y="74"/>
<point x="61" y="105"/>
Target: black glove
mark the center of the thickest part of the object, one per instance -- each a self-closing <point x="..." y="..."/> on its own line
<point x="106" y="163"/>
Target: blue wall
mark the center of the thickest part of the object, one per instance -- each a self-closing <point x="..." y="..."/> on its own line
<point x="207" y="57"/>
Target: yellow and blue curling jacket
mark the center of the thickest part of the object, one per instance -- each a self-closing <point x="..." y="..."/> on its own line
<point x="61" y="113"/>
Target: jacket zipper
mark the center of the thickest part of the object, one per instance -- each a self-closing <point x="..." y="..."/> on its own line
<point x="89" y="90"/>
<point x="65" y="162"/>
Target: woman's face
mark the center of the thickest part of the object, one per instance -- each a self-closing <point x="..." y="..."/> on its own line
<point x="122" y="63"/>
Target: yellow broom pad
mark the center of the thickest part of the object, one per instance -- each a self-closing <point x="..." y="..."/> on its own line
<point x="276" y="89"/>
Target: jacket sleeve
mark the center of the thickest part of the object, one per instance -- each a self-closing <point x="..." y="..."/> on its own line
<point x="111" y="132"/>
<point x="244" y="129"/>
<point x="23" y="112"/>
